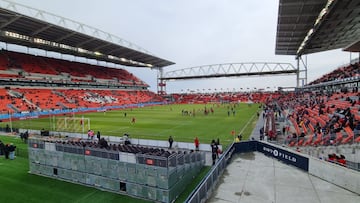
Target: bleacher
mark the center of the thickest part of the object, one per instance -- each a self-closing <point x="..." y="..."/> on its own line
<point x="37" y="83"/>
<point x="225" y="97"/>
<point x="32" y="99"/>
<point x="330" y="121"/>
<point x="352" y="70"/>
<point x="325" y="118"/>
<point x="19" y="65"/>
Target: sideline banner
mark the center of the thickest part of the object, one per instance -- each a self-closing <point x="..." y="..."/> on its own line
<point x="284" y="155"/>
<point x="243" y="147"/>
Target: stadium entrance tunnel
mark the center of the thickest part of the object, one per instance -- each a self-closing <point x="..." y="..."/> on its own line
<point x="345" y="178"/>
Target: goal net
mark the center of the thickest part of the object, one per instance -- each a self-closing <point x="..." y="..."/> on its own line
<point x="72" y="124"/>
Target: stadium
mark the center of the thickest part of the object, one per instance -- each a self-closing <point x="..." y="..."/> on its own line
<point x="81" y="122"/>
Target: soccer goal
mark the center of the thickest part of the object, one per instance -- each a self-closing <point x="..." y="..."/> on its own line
<point x="72" y="124"/>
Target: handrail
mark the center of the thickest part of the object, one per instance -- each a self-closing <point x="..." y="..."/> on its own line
<point x="225" y="157"/>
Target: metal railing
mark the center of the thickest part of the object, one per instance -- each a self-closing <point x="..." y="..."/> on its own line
<point x="202" y="191"/>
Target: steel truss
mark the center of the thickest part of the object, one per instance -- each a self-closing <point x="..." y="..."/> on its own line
<point x="230" y="70"/>
<point x="227" y="70"/>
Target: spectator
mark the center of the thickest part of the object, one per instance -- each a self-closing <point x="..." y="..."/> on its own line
<point x="284" y="130"/>
<point x="240" y="137"/>
<point x="7" y="151"/>
<point x="218" y="151"/>
<point x="88" y="134"/>
<point x="126" y="139"/>
<point x="197" y="143"/>
<point x="213" y="156"/>
<point x="342" y="160"/>
<point x="262" y="133"/>
<point x="26" y="136"/>
<point x="12" y="151"/>
<point x="12" y="148"/>
<point x="98" y="135"/>
<point x="214" y="147"/>
<point x="218" y="142"/>
<point x="92" y="134"/>
<point x="214" y="151"/>
<point x="171" y="140"/>
<point x="7" y="128"/>
<point x="332" y="158"/>
<point x="2" y="148"/>
<point x="271" y="135"/>
<point x="103" y="143"/>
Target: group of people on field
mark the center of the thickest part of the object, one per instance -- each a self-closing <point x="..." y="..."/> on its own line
<point x="196" y="142"/>
<point x="215" y="150"/>
<point x="91" y="135"/>
<point x="8" y="150"/>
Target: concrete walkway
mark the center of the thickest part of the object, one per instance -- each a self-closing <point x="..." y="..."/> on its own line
<point x="256" y="132"/>
<point x="254" y="178"/>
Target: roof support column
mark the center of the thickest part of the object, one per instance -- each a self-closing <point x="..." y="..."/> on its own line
<point x="298" y="71"/>
<point x="301" y="75"/>
<point x="161" y="84"/>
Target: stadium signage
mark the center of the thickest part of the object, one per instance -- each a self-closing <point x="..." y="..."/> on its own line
<point x="28" y="117"/>
<point x="149" y="162"/>
<point x="284" y="155"/>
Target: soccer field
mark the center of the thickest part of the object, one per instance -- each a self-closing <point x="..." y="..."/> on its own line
<point x="159" y="122"/>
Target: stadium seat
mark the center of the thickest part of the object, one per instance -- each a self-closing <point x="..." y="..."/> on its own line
<point x="350" y="135"/>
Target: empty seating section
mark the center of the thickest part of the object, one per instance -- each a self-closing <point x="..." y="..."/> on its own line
<point x="2" y="75"/>
<point x="12" y="101"/>
<point x="134" y="149"/>
<point x="30" y="65"/>
<point x="5" y="99"/>
<point x="3" y="62"/>
<point x="43" y="98"/>
<point x="30" y="99"/>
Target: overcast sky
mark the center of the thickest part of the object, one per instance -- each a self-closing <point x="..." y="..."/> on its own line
<point x="193" y="33"/>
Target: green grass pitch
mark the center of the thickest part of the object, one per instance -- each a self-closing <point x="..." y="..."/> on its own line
<point x="159" y="122"/>
<point x="156" y="122"/>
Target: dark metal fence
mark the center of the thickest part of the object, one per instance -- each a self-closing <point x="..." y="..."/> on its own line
<point x="151" y="174"/>
<point x="203" y="190"/>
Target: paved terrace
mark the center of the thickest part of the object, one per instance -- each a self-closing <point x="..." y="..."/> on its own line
<point x="255" y="178"/>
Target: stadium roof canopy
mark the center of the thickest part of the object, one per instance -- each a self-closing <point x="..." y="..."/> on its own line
<point x="311" y="26"/>
<point x="34" y="28"/>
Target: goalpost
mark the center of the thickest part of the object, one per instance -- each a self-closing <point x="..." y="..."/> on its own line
<point x="72" y="124"/>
